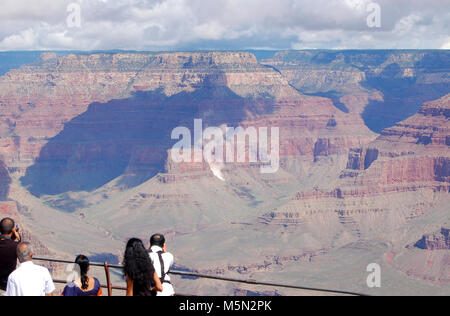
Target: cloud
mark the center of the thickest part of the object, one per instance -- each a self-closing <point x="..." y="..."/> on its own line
<point x="446" y="45"/>
<point x="23" y="40"/>
<point x="222" y="24"/>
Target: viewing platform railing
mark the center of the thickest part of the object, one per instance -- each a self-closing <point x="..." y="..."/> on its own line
<point x="110" y="287"/>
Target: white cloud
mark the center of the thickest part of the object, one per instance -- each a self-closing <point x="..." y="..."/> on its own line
<point x="446" y="45"/>
<point x="181" y="24"/>
<point x="407" y="24"/>
<point x="24" y="40"/>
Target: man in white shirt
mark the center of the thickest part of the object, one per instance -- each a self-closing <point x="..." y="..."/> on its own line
<point x="29" y="279"/>
<point x="162" y="262"/>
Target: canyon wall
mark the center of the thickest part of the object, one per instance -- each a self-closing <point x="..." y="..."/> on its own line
<point x="414" y="150"/>
<point x="386" y="185"/>
<point x="10" y="209"/>
<point x="436" y="241"/>
<point x="384" y="87"/>
<point x="77" y="122"/>
<point x="364" y="155"/>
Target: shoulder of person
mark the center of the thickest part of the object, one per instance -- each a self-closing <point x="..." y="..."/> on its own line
<point x="9" y="241"/>
<point x="42" y="269"/>
<point x="13" y="274"/>
<point x="168" y="255"/>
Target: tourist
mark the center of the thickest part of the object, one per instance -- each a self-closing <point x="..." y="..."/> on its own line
<point x="29" y="279"/>
<point x="9" y="239"/>
<point x="84" y="285"/>
<point x="162" y="262"/>
<point x="142" y="280"/>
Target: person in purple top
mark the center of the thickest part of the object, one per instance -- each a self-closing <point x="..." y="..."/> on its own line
<point x="84" y="285"/>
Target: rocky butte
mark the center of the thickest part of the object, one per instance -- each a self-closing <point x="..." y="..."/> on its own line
<point x="437" y="241"/>
<point x="364" y="172"/>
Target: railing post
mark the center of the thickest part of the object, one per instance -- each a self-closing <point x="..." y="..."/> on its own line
<point x="108" y="279"/>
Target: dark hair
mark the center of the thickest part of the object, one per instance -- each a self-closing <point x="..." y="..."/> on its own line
<point x="137" y="264"/>
<point x="6" y="226"/>
<point x="83" y="263"/>
<point x="157" y="240"/>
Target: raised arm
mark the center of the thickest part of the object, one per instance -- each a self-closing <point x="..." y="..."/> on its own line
<point x="17" y="234"/>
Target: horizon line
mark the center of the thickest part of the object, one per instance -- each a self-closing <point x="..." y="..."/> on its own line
<point x="114" y="50"/>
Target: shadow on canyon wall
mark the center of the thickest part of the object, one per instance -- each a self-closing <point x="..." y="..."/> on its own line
<point x="131" y="137"/>
<point x="404" y="93"/>
<point x="5" y="181"/>
<point x="404" y="96"/>
<point x="334" y="96"/>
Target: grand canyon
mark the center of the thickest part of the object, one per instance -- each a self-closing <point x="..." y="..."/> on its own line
<point x="364" y="176"/>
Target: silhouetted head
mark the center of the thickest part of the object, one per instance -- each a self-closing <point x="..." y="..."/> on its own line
<point x="157" y="240"/>
<point x="24" y="252"/>
<point x="83" y="263"/>
<point x="6" y="226"/>
<point x="137" y="264"/>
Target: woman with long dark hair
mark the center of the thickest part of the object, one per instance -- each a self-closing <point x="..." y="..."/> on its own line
<point x="142" y="280"/>
<point x="84" y="285"/>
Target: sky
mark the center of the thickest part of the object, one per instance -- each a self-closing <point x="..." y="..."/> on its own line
<point x="158" y="25"/>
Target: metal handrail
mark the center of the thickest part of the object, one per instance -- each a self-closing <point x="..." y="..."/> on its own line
<point x="103" y="286"/>
<point x="110" y="287"/>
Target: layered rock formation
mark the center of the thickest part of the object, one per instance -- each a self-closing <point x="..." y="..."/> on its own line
<point x="437" y="241"/>
<point x="386" y="184"/>
<point x="112" y="114"/>
<point x="10" y="209"/>
<point x="89" y="134"/>
<point x="385" y="87"/>
<point x="5" y="181"/>
<point x="413" y="151"/>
